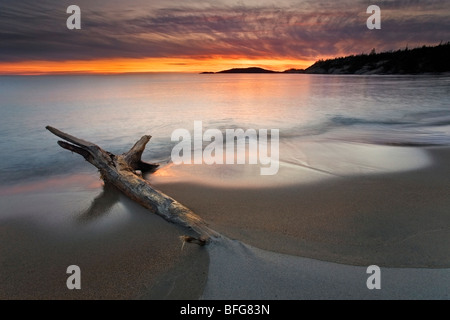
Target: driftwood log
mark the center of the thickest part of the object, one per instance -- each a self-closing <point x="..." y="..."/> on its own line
<point x="124" y="172"/>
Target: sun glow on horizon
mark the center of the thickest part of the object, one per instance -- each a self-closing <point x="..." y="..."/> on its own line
<point x="146" y="65"/>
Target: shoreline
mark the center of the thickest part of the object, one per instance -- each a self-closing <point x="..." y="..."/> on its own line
<point x="392" y="220"/>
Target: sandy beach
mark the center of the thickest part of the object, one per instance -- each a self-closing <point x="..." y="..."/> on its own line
<point x="392" y="220"/>
<point x="252" y="273"/>
<point x="305" y="241"/>
<point x="399" y="222"/>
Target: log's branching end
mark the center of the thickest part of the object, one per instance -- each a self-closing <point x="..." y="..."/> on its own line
<point x="134" y="155"/>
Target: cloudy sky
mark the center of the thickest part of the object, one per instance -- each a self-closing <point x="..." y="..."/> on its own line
<point x="194" y="35"/>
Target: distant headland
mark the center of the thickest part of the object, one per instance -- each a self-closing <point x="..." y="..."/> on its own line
<point x="254" y="70"/>
<point x="244" y="70"/>
<point x="421" y="60"/>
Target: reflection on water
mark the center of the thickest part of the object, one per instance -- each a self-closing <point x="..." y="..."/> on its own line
<point x="310" y="162"/>
<point x="101" y="205"/>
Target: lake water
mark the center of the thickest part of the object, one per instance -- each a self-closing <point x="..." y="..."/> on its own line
<point x="333" y="124"/>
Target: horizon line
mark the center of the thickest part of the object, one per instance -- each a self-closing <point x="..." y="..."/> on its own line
<point x="147" y="65"/>
<point x="186" y="65"/>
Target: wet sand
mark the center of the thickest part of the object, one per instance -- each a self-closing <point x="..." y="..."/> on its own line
<point x="239" y="271"/>
<point x="315" y="241"/>
<point x="391" y="220"/>
<point x="123" y="251"/>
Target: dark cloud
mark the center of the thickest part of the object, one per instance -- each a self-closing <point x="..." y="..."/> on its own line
<point x="31" y="30"/>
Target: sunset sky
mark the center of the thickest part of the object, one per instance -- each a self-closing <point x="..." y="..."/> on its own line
<point x="194" y="35"/>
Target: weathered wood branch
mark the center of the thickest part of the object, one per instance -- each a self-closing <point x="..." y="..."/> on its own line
<point x="133" y="157"/>
<point x="120" y="171"/>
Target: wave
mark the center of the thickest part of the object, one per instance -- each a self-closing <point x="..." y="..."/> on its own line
<point x="349" y="121"/>
<point x="415" y="129"/>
